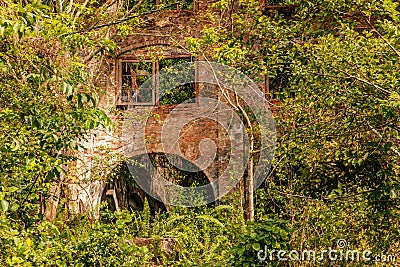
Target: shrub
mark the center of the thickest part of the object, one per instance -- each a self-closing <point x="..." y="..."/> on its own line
<point x="258" y="235"/>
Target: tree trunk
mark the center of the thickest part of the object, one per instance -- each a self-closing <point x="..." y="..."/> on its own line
<point x="52" y="202"/>
<point x="249" y="187"/>
<point x="86" y="198"/>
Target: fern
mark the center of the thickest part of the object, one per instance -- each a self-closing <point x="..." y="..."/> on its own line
<point x="210" y="219"/>
<point x="171" y="221"/>
<point x="222" y="208"/>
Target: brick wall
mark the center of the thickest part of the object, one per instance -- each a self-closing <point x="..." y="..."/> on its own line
<point x="166" y="32"/>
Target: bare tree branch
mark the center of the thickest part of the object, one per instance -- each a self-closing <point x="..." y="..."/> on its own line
<point x="368" y="20"/>
<point x="380" y="136"/>
<point x="121" y="20"/>
<point x="363" y="81"/>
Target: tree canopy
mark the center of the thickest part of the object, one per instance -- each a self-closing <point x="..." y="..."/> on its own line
<point x="333" y="73"/>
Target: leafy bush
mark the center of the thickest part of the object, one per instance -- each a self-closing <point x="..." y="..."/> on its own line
<point x="88" y="244"/>
<point x="259" y="235"/>
<point x="202" y="237"/>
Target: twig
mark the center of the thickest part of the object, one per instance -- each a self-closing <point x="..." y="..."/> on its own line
<point x="363" y="81"/>
<point x="121" y="20"/>
<point x="380" y="136"/>
<point x="325" y="198"/>
<point x="379" y="34"/>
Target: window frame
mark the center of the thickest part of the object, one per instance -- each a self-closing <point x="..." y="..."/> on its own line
<point x="155" y="75"/>
<point x="119" y="93"/>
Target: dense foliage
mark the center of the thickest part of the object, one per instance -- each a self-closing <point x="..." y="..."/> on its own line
<point x="47" y="104"/>
<point x="333" y="66"/>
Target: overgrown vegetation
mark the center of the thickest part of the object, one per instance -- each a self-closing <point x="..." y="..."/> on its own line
<point x="334" y="66"/>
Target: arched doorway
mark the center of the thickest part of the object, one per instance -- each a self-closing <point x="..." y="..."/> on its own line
<point x="122" y="192"/>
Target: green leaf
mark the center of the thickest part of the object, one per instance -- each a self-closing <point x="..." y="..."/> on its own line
<point x="4" y="205"/>
<point x="12" y="189"/>
<point x="14" y="207"/>
<point x="256" y="246"/>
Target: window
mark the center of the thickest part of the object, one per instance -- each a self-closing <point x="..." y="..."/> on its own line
<point x="180" y="94"/>
<point x="139" y="83"/>
<point x="133" y="76"/>
<point x="280" y="77"/>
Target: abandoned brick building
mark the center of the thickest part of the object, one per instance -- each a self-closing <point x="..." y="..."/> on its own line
<point x="142" y="55"/>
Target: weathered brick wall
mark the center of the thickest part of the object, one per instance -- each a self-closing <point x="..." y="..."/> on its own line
<point x="164" y="32"/>
<point x="189" y="145"/>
